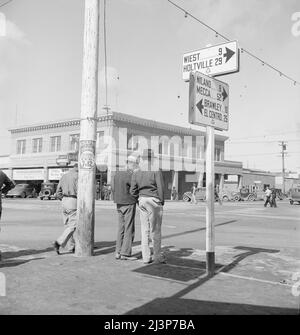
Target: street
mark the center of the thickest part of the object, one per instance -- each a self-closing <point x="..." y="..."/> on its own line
<point x="257" y="254"/>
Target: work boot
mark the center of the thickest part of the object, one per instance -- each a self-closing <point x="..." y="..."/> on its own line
<point x="56" y="247"/>
<point x="128" y="258"/>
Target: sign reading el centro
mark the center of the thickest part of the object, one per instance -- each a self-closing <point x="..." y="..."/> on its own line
<point x="209" y="101"/>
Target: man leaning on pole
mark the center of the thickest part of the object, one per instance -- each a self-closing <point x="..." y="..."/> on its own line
<point x="67" y="193"/>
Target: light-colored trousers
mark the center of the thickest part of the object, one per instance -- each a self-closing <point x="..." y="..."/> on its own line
<point x="69" y="207"/>
<point x="151" y="211"/>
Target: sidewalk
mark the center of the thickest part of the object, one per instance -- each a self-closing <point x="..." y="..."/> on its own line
<point x="249" y="281"/>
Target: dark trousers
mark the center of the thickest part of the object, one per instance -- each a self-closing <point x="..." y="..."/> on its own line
<point x="268" y="201"/>
<point x="125" y="235"/>
<point x="273" y="202"/>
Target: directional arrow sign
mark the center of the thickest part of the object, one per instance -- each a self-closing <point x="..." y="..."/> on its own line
<point x="214" y="61"/>
<point x="208" y="102"/>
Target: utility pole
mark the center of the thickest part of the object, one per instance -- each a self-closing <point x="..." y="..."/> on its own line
<point x="283" y="149"/>
<point x="88" y="126"/>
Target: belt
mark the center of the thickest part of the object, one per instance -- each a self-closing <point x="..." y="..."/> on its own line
<point x="70" y="196"/>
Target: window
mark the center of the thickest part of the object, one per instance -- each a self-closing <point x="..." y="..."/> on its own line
<point x="100" y="139"/>
<point x="74" y="142"/>
<point x="217" y="154"/>
<point x="55" y="143"/>
<point x="21" y="147"/>
<point x="37" y="144"/>
<point x="132" y="142"/>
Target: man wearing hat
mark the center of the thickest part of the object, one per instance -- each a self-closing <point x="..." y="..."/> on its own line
<point x="148" y="186"/>
<point x="67" y="192"/>
<point x="126" y="208"/>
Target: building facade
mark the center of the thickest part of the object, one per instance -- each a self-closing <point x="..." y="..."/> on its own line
<point x="43" y="152"/>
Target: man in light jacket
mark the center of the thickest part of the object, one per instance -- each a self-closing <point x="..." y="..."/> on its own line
<point x="148" y="186"/>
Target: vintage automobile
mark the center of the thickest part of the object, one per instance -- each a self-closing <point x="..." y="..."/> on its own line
<point x="21" y="190"/>
<point x="294" y="195"/>
<point x="200" y="195"/>
<point x="48" y="191"/>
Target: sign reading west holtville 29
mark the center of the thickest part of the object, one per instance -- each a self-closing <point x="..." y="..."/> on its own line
<point x="208" y="101"/>
<point x="213" y="61"/>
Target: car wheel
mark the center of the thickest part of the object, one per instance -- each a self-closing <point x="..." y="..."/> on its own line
<point x="185" y="198"/>
<point x="225" y="198"/>
<point x="23" y="195"/>
<point x="251" y="197"/>
<point x="291" y="202"/>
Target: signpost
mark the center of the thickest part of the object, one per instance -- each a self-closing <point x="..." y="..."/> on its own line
<point x="209" y="101"/>
<point x="209" y="107"/>
<point x="214" y="61"/>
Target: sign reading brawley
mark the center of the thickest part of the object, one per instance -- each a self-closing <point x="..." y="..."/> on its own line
<point x="208" y="101"/>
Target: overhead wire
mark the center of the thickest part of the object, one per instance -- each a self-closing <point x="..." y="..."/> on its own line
<point x="243" y="50"/>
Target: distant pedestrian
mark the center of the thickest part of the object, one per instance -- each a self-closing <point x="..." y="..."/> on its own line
<point x="98" y="191"/>
<point x="67" y="192"/>
<point x="268" y="194"/>
<point x="217" y="197"/>
<point x="148" y="186"/>
<point x="273" y="198"/>
<point x="126" y="208"/>
<point x="174" y="194"/>
<point x="194" y="189"/>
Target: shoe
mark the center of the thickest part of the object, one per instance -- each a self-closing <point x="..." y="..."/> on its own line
<point x="128" y="258"/>
<point x="148" y="262"/>
<point x="160" y="261"/>
<point x="56" y="247"/>
<point x="118" y="255"/>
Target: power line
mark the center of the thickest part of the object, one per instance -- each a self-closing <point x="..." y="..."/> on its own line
<point x="274" y="134"/>
<point x="243" y="50"/>
<point x="6" y="3"/>
<point x="259" y="142"/>
<point x="262" y="154"/>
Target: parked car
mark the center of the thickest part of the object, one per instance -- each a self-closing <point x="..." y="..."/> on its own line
<point x="200" y="195"/>
<point x="21" y="190"/>
<point x="229" y="196"/>
<point x="294" y="195"/>
<point x="48" y="191"/>
<point x="244" y="195"/>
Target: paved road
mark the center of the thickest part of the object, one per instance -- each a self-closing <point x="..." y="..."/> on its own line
<point x="257" y="253"/>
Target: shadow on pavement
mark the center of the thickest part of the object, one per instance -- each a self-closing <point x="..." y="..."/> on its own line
<point x="177" y="306"/>
<point x="12" y="263"/>
<point x="22" y="253"/>
<point x="181" y="269"/>
<point x="249" y="251"/>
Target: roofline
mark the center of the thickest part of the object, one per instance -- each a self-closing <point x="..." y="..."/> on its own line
<point x="115" y="116"/>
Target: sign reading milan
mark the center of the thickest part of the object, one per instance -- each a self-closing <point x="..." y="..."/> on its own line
<point x="209" y="101"/>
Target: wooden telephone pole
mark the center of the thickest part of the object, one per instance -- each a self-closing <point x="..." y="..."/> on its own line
<point x="88" y="126"/>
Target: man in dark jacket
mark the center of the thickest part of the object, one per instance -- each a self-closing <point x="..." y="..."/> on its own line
<point x="4" y="180"/>
<point x="148" y="186"/>
<point x="126" y="208"/>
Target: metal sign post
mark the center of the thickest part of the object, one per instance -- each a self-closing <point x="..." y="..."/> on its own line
<point x="210" y="201"/>
<point x="209" y="107"/>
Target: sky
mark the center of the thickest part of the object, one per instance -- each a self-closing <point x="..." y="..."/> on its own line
<point x="41" y="67"/>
